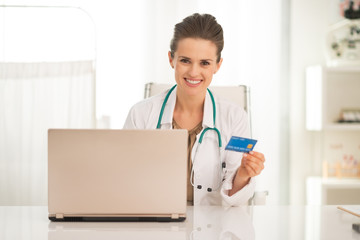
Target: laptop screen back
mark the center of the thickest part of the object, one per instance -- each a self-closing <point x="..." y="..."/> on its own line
<point x="117" y="172"/>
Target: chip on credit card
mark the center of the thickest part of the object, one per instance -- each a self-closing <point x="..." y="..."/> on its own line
<point x="240" y="144"/>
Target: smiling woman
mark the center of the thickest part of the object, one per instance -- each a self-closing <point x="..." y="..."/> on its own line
<point x="195" y="57"/>
<point x="195" y="63"/>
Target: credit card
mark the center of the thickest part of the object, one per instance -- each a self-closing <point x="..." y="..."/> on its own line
<point x="240" y="144"/>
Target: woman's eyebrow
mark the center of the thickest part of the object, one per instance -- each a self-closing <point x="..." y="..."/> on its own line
<point x="187" y="58"/>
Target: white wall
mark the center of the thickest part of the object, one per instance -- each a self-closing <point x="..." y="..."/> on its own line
<point x="133" y="38"/>
<point x="308" y="25"/>
<point x="253" y="45"/>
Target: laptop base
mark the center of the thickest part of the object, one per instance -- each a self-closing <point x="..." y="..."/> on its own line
<point x="116" y="219"/>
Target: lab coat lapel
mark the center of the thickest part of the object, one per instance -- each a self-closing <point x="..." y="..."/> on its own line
<point x="170" y="106"/>
<point x="207" y="121"/>
<point x="167" y="119"/>
<point x="208" y="112"/>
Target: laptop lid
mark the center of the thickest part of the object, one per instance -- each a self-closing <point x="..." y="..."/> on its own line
<point x="114" y="175"/>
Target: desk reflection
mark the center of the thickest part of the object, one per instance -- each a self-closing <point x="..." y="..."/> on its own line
<point x="201" y="223"/>
<point x="222" y="223"/>
<point x="260" y="222"/>
<point x="109" y="231"/>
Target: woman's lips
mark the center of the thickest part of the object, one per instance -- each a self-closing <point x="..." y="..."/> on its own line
<point x="192" y="82"/>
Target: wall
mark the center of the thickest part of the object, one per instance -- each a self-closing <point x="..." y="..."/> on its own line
<point x="251" y="56"/>
<point x="308" y="24"/>
<point x="132" y="43"/>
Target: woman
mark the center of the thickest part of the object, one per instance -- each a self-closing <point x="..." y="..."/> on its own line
<point x="195" y="56"/>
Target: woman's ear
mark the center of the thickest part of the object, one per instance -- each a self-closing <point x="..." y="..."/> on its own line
<point x="218" y="65"/>
<point x="170" y="60"/>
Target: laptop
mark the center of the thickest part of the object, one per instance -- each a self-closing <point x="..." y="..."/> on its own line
<point x="117" y="175"/>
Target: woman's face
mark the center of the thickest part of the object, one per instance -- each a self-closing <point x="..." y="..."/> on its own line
<point x="195" y="64"/>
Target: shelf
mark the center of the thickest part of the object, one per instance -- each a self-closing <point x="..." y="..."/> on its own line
<point x="343" y="126"/>
<point x="332" y="191"/>
<point x="341" y="181"/>
<point x="329" y="92"/>
<point x="350" y="69"/>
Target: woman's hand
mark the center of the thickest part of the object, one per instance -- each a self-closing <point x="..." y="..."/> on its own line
<point x="252" y="164"/>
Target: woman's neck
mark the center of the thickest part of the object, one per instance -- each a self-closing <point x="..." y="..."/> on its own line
<point x="190" y="104"/>
<point x="189" y="110"/>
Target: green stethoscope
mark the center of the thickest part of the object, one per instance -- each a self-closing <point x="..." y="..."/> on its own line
<point x="222" y="164"/>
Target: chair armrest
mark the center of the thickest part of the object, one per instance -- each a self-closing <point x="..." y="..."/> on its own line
<point x="259" y="198"/>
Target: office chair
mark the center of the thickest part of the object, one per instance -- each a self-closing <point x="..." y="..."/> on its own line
<point x="239" y="95"/>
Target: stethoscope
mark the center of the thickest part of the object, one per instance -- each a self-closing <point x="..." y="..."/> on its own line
<point x="222" y="164"/>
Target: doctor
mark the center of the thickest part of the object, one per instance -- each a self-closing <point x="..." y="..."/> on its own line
<point x="215" y="176"/>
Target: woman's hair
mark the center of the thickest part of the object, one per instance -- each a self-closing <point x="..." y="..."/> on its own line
<point x="202" y="26"/>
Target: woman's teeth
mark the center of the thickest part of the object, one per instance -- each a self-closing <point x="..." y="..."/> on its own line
<point x="192" y="81"/>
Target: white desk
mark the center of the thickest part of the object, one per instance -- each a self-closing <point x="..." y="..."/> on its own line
<point x="258" y="222"/>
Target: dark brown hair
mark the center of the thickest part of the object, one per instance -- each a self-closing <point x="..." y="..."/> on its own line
<point x="202" y="26"/>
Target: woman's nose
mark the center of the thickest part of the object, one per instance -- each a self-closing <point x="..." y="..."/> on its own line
<point x="194" y="70"/>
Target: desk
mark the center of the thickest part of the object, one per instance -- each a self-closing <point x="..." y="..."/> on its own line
<point x="258" y="222"/>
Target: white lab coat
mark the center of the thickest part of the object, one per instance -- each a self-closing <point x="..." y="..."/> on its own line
<point x="231" y="120"/>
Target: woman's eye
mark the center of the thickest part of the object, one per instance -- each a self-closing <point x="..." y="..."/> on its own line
<point x="205" y="63"/>
<point x="184" y="60"/>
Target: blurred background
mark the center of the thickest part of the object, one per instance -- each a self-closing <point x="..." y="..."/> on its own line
<point x="83" y="64"/>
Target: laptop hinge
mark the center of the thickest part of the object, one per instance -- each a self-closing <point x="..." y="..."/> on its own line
<point x="174" y="216"/>
<point x="59" y="216"/>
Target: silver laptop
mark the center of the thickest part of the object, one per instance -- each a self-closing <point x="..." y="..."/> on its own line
<point x="117" y="175"/>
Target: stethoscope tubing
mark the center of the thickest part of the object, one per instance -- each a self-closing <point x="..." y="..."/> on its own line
<point x="158" y="126"/>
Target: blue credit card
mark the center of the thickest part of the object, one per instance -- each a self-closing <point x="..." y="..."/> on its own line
<point x="240" y="144"/>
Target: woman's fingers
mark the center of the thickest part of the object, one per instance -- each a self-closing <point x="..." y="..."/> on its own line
<point x="254" y="162"/>
<point x="255" y="155"/>
<point x="255" y="167"/>
<point x="250" y="170"/>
